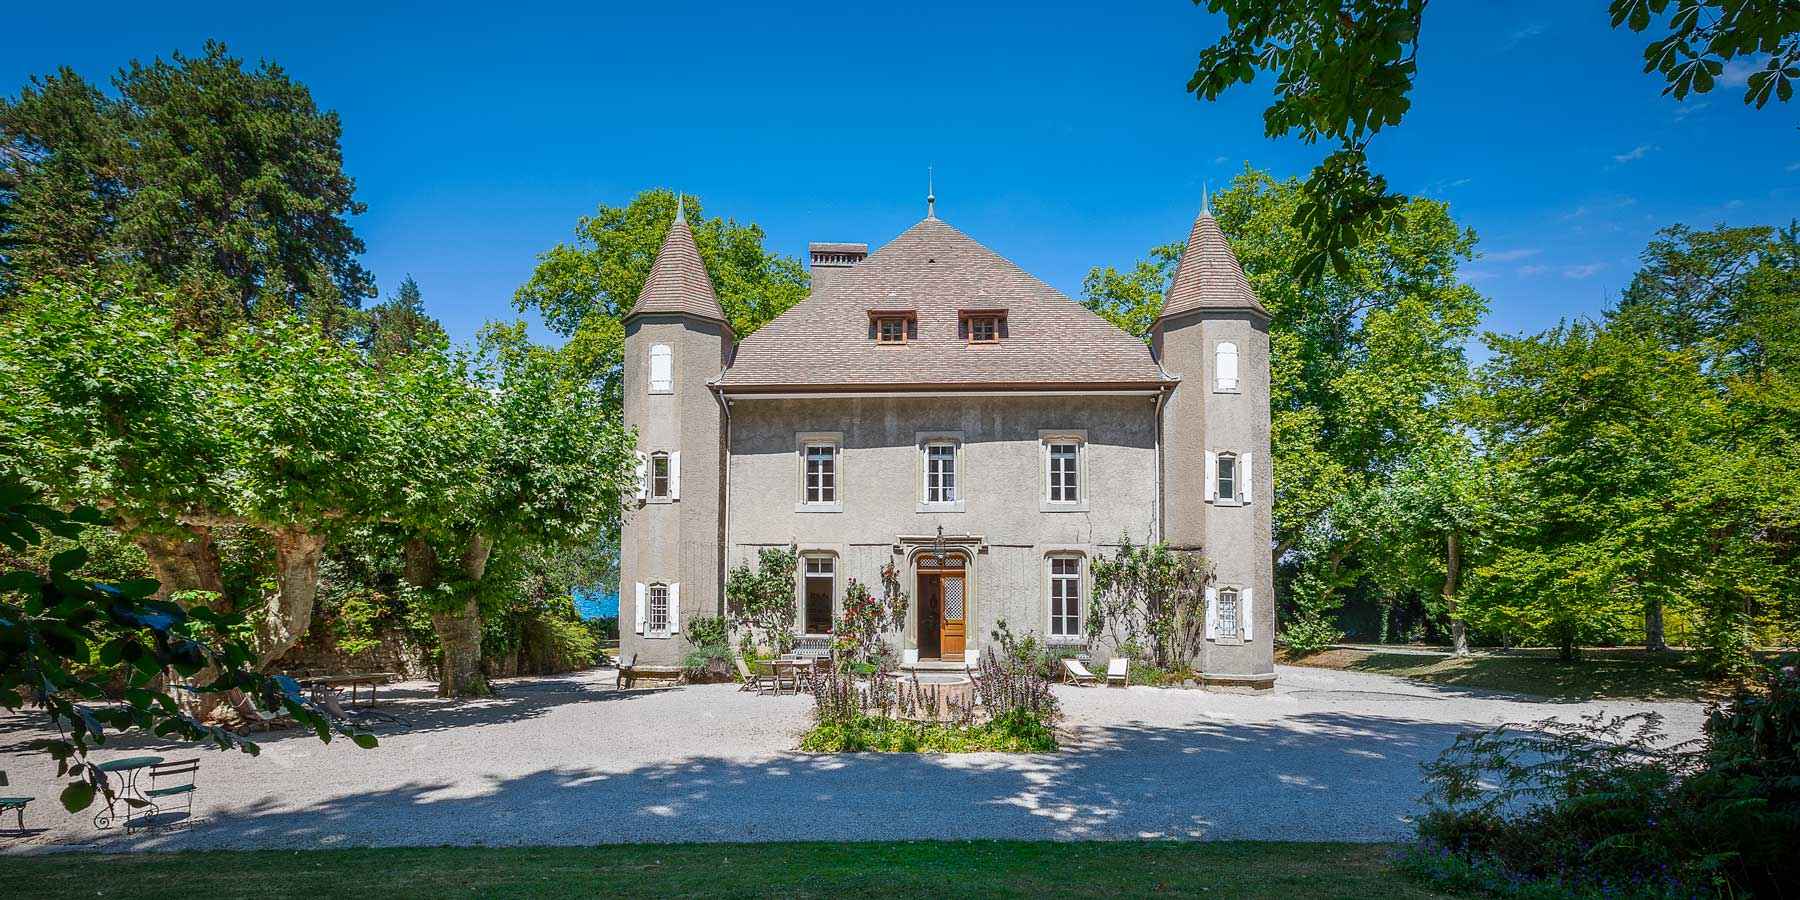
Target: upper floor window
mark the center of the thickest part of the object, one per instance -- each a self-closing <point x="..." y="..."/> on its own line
<point x="940" y="473"/>
<point x="890" y="330"/>
<point x="1064" y="470"/>
<point x="821" y="473"/>
<point x="662" y="369"/>
<point x="661" y="476"/>
<point x="1065" y="597"/>
<point x="1229" y="477"/>
<point x="1226" y="368"/>
<point x="821" y="587"/>
<point x="984" y="329"/>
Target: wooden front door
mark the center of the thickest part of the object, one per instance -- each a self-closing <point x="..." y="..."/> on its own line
<point x="954" y="601"/>
<point x="930" y="629"/>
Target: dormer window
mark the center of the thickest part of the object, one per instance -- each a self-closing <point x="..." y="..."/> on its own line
<point x="983" y="326"/>
<point x="890" y="330"/>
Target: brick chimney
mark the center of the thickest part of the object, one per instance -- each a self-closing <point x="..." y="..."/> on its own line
<point x="830" y="259"/>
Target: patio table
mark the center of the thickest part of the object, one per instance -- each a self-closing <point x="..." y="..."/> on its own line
<point x="127" y="769"/>
<point x="792" y="668"/>
<point x="354" y="682"/>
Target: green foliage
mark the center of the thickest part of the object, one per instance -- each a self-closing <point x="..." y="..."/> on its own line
<point x="761" y="600"/>
<point x="54" y="625"/>
<point x="1151" y="595"/>
<point x="1015" y="732"/>
<point x="223" y="185"/>
<point x="398" y="326"/>
<point x="867" y="617"/>
<point x="708" y="631"/>
<point x="1608" y="806"/>
<point x="582" y="289"/>
<point x="1344" y="70"/>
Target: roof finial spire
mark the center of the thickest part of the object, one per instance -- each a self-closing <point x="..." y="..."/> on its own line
<point x="680" y="207"/>
<point x="1206" y="198"/>
<point x="930" y="195"/>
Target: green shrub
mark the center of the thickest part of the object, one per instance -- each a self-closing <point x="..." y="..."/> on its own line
<point x="1606" y="806"/>
<point x="1019" y="731"/>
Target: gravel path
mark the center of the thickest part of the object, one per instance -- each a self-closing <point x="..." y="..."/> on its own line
<point x="566" y="760"/>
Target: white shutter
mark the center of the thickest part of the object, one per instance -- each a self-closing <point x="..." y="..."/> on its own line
<point x="643" y="476"/>
<point x="1212" y="476"/>
<point x="1227" y="365"/>
<point x="675" y="475"/>
<point x="662" y="369"/>
<point x="1212" y="612"/>
<point x="640" y="607"/>
<point x="1247" y="612"/>
<point x="1247" y="477"/>
<point x="675" y="608"/>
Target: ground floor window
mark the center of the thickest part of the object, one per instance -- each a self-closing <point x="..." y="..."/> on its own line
<point x="821" y="584"/>
<point x="656" y="616"/>
<point x="1065" y="596"/>
<point x="1226" y="615"/>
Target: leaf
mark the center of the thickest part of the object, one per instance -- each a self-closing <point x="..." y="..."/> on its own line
<point x="364" y="740"/>
<point x="77" y="796"/>
<point x="68" y="561"/>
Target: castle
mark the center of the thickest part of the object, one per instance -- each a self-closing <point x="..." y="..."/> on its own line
<point x="934" y="406"/>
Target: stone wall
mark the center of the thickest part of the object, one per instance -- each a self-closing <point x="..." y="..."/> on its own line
<point x="319" y="654"/>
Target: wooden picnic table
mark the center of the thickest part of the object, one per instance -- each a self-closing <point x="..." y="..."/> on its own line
<point x="353" y="682"/>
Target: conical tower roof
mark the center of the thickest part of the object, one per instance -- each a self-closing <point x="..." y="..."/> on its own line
<point x="678" y="282"/>
<point x="1209" y="276"/>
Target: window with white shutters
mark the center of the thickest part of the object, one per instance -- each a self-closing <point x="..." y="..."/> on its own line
<point x="656" y="616"/>
<point x="1226" y="368"/>
<point x="662" y="369"/>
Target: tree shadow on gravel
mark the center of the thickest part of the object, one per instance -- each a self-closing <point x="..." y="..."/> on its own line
<point x="1316" y="776"/>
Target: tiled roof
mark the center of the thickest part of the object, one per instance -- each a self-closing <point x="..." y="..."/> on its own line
<point x="825" y="342"/>
<point x="1209" y="276"/>
<point x="678" y="282"/>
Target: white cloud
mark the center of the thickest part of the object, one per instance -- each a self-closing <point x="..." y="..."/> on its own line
<point x="1737" y="71"/>
<point x="1690" y="107"/>
<point x="1221" y="160"/>
<point x="1793" y="167"/>
<point x="1637" y="152"/>
<point x="1582" y="271"/>
<point x="1529" y="271"/>
<point x="1518" y="37"/>
<point x="1516" y="253"/>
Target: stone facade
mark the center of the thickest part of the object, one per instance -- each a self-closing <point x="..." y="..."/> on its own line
<point x="1178" y="454"/>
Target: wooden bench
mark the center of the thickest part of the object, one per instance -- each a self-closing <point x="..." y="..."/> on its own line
<point x="16" y="804"/>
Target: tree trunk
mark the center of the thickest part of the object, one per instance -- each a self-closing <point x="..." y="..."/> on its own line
<point x="179" y="563"/>
<point x="1654" y="639"/>
<point x="459" y="628"/>
<point x="288" y="612"/>
<point x="1459" y="633"/>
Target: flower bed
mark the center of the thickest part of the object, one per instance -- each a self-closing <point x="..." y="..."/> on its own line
<point x="1007" y="707"/>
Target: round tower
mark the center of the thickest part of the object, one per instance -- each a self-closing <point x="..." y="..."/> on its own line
<point x="1213" y="334"/>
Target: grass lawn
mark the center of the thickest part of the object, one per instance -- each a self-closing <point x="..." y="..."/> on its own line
<point x="901" y="869"/>
<point x="1595" y="675"/>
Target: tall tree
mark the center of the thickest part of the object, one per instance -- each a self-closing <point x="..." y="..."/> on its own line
<point x="583" y="288"/>
<point x="400" y="325"/>
<point x="1363" y="364"/>
<point x="1345" y="70"/>
<point x="220" y="183"/>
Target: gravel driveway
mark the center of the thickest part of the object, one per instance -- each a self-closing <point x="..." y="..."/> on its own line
<point x="566" y="760"/>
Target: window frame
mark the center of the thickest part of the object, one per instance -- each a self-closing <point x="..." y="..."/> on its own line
<point x="1237" y="614"/>
<point x="1047" y="442"/>
<point x="803" y="443"/>
<point x="650" y="610"/>
<point x="925" y="441"/>
<point x="1052" y="579"/>
<point x="807" y="558"/>
<point x="881" y="336"/>
<point x="1221" y="458"/>
<point x="667" y="477"/>
<point x="668" y="353"/>
<point x="938" y="456"/>
<point x="975" y="325"/>
<point x="1220" y="384"/>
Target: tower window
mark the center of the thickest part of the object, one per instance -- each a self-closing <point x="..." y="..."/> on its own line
<point x="1226" y="366"/>
<point x="656" y="616"/>
<point x="1228" y="476"/>
<point x="659" y="476"/>
<point x="662" y="369"/>
<point x="1226" y="613"/>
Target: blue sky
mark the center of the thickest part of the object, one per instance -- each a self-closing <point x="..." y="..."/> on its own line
<point x="1062" y="137"/>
